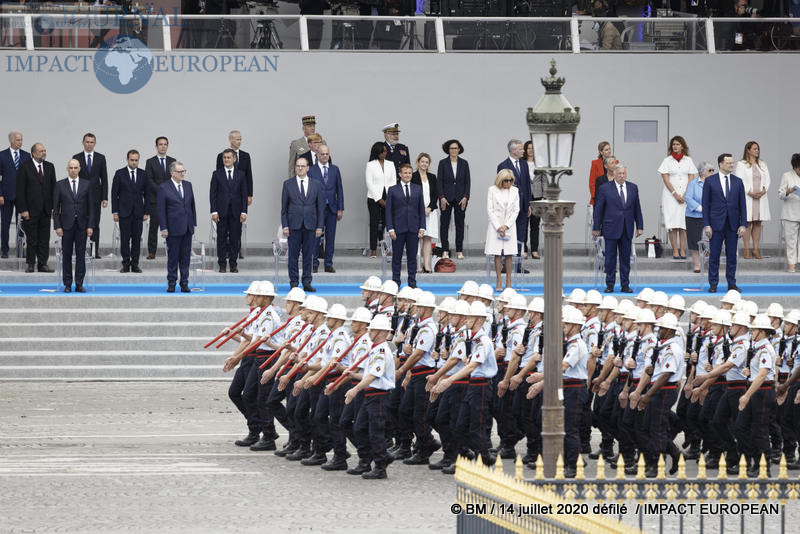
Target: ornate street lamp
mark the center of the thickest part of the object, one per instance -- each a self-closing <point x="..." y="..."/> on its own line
<point x="553" y="123"/>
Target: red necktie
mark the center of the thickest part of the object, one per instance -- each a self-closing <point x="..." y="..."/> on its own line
<point x="41" y="174"/>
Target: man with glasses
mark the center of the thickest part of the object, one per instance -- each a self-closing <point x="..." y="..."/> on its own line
<point x="396" y="152"/>
<point x="302" y="206"/>
<point x="177" y="217"/>
<point x="10" y="161"/>
<point x="522" y="181"/>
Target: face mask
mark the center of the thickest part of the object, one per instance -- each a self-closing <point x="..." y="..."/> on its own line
<point x="596" y="26"/>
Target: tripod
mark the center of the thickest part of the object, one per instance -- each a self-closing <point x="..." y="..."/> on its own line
<point x="410" y="38"/>
<point x="265" y="35"/>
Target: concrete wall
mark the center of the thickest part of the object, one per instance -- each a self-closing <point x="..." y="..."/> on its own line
<point x="716" y="102"/>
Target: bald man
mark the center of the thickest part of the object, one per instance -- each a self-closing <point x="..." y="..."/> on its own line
<point x="74" y="215"/>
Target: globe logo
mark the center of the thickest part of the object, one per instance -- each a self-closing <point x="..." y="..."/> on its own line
<point x="123" y="64"/>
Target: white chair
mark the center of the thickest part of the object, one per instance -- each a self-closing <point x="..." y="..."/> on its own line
<point x="280" y="251"/>
<point x="22" y="242"/>
<point x="89" y="259"/>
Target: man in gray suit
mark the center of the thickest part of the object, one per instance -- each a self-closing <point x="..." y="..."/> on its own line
<point x="299" y="146"/>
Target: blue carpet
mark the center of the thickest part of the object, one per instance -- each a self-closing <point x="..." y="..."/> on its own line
<point x="341" y="289"/>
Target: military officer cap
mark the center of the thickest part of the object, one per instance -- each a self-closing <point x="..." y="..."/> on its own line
<point x="309" y="119"/>
<point x="392" y="127"/>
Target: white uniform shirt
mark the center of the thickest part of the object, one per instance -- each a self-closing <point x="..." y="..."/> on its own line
<point x="738" y="358"/>
<point x="483" y="354"/>
<point x="577" y="357"/>
<point x="763" y="358"/>
<point x="669" y="361"/>
<point x="380" y="364"/>
<point x="425" y="341"/>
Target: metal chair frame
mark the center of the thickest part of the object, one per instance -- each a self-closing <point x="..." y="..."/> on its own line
<point x="90" y="269"/>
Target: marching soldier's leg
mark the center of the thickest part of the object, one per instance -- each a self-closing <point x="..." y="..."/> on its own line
<point x="418" y="401"/>
<point x="255" y="394"/>
<point x="375" y="406"/>
<point x="444" y="415"/>
<point x="336" y="407"/>
<point x="361" y="435"/>
<point x="276" y="407"/>
<point x="235" y="393"/>
<point x="302" y="417"/>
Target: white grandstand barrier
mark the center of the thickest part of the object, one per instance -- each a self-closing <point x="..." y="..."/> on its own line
<point x="28" y="32"/>
<point x="712" y="45"/>
<point x="303" y="34"/>
<point x="576" y="36"/>
<point x="166" y="33"/>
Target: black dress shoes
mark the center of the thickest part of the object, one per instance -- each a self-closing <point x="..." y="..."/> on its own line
<point x="264" y="444"/>
<point x="318" y="458"/>
<point x="185" y="288"/>
<point x="329" y="269"/>
<point x="338" y="463"/>
<point x="234" y="269"/>
<point x="97" y="256"/>
<point x="712" y="289"/>
<point x="417" y="459"/>
<point x="67" y="289"/>
<point x="609" y="289"/>
<point x="376" y="473"/>
<point x="360" y="469"/>
<point x="308" y="288"/>
<point x="734" y="287"/>
<point x="29" y="268"/>
<point x="125" y="269"/>
<point x="171" y="288"/>
<point x="248" y="440"/>
<point x="222" y="268"/>
<point x="45" y="269"/>
<point x="626" y="289"/>
<point x="80" y="289"/>
<point x="135" y="269"/>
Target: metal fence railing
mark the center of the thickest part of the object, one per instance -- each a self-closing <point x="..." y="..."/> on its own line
<point x="88" y="27"/>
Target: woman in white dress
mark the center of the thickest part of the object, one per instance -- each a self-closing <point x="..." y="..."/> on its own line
<point x="789" y="193"/>
<point x="430" y="196"/>
<point x="380" y="176"/>
<point x="755" y="176"/>
<point x="677" y="170"/>
<point x="502" y="207"/>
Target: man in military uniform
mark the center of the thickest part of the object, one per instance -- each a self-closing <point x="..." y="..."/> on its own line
<point x="573" y="367"/>
<point x="299" y="146"/>
<point x="396" y="152"/>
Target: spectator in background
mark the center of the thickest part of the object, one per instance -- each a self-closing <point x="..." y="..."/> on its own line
<point x="694" y="211"/>
<point x="502" y="207"/>
<point x="789" y="193"/>
<point x="454" y="183"/>
<point x="405" y="222"/>
<point x="314" y="142"/>
<point x="755" y="176"/>
<point x="609" y="164"/>
<point x="381" y="175"/>
<point x="430" y="194"/>
<point x="537" y="192"/>
<point x="331" y="179"/>
<point x="522" y="181"/>
<point x="603" y="151"/>
<point x="677" y="170"/>
<point x="608" y="36"/>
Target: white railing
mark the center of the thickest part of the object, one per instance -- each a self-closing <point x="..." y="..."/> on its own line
<point x="684" y="34"/>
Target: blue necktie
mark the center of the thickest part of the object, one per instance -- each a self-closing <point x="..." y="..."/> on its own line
<point x="230" y="177"/>
<point x="408" y="196"/>
<point x="302" y="189"/>
<point x="133" y="176"/>
<point x="16" y="159"/>
<point x="727" y="187"/>
<point x="89" y="163"/>
<point x="163" y="166"/>
<point x="516" y="163"/>
<point x="621" y="195"/>
<point x="325" y="174"/>
<point x="180" y="190"/>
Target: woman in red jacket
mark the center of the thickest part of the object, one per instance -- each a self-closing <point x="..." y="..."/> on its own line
<point x="604" y="151"/>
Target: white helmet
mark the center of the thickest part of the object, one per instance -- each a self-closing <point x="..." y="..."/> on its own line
<point x="623" y="306"/>
<point x="518" y="302"/>
<point x="731" y="297"/>
<point x="485" y="291"/>
<point x="775" y="310"/>
<point x="593" y="297"/>
<point x="470" y="289"/>
<point x="389" y="287"/>
<point x="361" y="315"/>
<point x="659" y="298"/>
<point x="571" y="315"/>
<point x="461" y="307"/>
<point x="708" y="312"/>
<point x="762" y="322"/>
<point x="380" y="322"/>
<point x="576" y="296"/>
<point x="668" y="321"/>
<point x="251" y="288"/>
<point x="426" y="300"/>
<point x="738" y="306"/>
<point x="265" y="289"/>
<point x="698" y="306"/>
<point x="373" y="283"/>
<point x="751" y="308"/>
<point x="317" y="304"/>
<point x="722" y="317"/>
<point x="447" y="305"/>
<point x="416" y="293"/>
<point x="792" y="317"/>
<point x="632" y="313"/>
<point x="296" y="295"/>
<point x="676" y="302"/>
<point x="337" y="311"/>
<point x="506" y="295"/>
<point x="609" y="303"/>
<point x="536" y="305"/>
<point x="405" y="293"/>
<point x="741" y="318"/>
<point x="645" y="295"/>
<point x="645" y="316"/>
<point x="477" y="309"/>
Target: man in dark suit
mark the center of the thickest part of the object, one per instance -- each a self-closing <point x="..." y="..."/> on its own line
<point x="522" y="181"/>
<point x="36" y="180"/>
<point x="228" y="197"/>
<point x="241" y="162"/>
<point x="396" y="152"/>
<point x="73" y="217"/>
<point x="616" y="211"/>
<point x="177" y="218"/>
<point x="130" y="208"/>
<point x="10" y="161"/>
<point x="302" y="208"/>
<point x="157" y="169"/>
<point x="724" y="219"/>
<point x="331" y="179"/>
<point x="405" y="220"/>
<point x="93" y="168"/>
<point x="453" y="194"/>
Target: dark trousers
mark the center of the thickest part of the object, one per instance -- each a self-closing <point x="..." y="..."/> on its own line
<point x="370" y="426"/>
<point x="724" y="421"/>
<point x="304" y="413"/>
<point x="447" y="420"/>
<point x="786" y="418"/>
<point x="397" y="425"/>
<point x="408" y="241"/>
<point x="658" y="414"/>
<point x="130" y="234"/>
<point x="752" y="425"/>
<point x="229" y="239"/>
<point x="586" y="422"/>
<point x="6" y="216"/>
<point x="179" y="251"/>
<point x="522" y="231"/>
<point x="473" y="415"/>
<point x="348" y="420"/>
<point x="731" y="240"/>
<point x="73" y="239"/>
<point x="301" y="240"/>
<point x="333" y="408"/>
<point x="711" y="439"/>
<point x="444" y="226"/>
<point x="502" y="412"/>
<point x="414" y="408"/>
<point x="623" y="247"/>
<point x="153" y="231"/>
<point x="521" y="411"/>
<point x="245" y="404"/>
<point x="536" y="417"/>
<point x="376" y="213"/>
<point x="96" y="229"/>
<point x="276" y="407"/>
<point x="330" y="240"/>
<point x="574" y="400"/>
<point x="37" y="235"/>
<point x="258" y="392"/>
<point x="601" y="417"/>
<point x="688" y="424"/>
<point x="320" y="413"/>
<point x="624" y="430"/>
<point x="534" y="224"/>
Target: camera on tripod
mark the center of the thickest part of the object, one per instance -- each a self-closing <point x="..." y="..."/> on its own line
<point x="260" y="7"/>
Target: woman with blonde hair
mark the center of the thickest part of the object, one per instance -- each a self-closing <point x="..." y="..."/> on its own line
<point x="755" y="177"/>
<point x="677" y="170"/>
<point x="502" y="207"/>
<point x="430" y="196"/>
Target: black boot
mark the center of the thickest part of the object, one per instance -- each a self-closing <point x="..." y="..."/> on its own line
<point x="450" y="469"/>
<point x="570" y="471"/>
<point x="417" y="459"/>
<point x="402" y="452"/>
<point x="692" y="453"/>
<point x="362" y="467"/>
<point x="675" y="455"/>
<point x="289" y="448"/>
<point x="301" y="453"/>
<point x="507" y="453"/>
<point x="337" y="463"/>
<point x="318" y="458"/>
<point x="376" y="473"/>
<point x="631" y="464"/>
<point x="752" y="467"/>
<point x="441" y="464"/>
<point x="264" y="444"/>
<point x="251" y="438"/>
